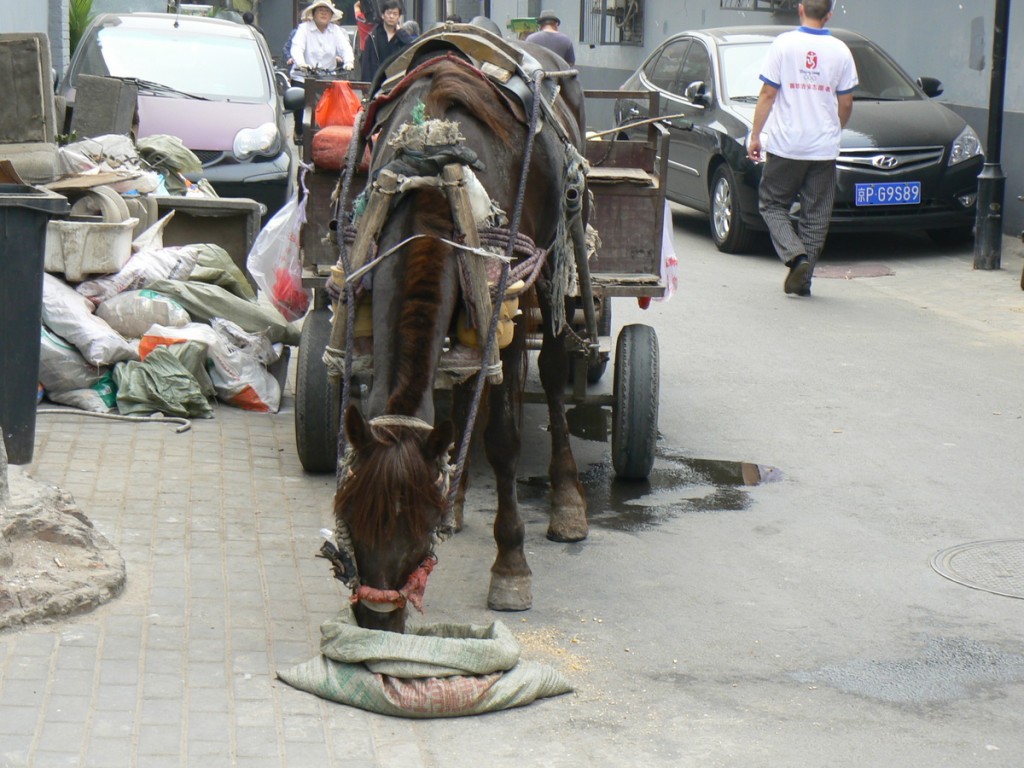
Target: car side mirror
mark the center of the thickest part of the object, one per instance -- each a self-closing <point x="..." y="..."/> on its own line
<point x="696" y="92"/>
<point x="931" y="86"/>
<point x="294" y="98"/>
<point x="281" y="81"/>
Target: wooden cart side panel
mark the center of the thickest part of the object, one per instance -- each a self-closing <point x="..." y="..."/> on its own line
<point x="628" y="188"/>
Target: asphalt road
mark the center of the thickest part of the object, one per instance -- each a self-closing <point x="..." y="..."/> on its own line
<point x="796" y="622"/>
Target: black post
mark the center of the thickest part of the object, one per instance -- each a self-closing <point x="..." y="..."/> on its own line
<point x="992" y="183"/>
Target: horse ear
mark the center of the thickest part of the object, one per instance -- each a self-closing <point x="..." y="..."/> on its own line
<point x="356" y="428"/>
<point x="439" y="440"/>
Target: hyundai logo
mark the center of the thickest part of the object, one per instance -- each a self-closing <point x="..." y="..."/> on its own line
<point x="885" y="161"/>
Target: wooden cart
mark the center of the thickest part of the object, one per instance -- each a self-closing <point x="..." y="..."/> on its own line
<point x="627" y="182"/>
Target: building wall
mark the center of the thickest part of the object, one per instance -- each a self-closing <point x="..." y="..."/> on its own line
<point x="19" y="16"/>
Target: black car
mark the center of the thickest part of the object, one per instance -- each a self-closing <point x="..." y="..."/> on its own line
<point x="906" y="162"/>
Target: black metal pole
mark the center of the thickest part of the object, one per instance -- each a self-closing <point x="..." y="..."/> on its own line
<point x="988" y="235"/>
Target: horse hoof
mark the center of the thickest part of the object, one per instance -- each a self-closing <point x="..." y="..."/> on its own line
<point x="568" y="528"/>
<point x="510" y="593"/>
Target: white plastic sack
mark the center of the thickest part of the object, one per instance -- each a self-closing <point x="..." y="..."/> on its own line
<point x="173" y="263"/>
<point x="274" y="260"/>
<point x="62" y="367"/>
<point x="87" y="399"/>
<point x="153" y="236"/>
<point x="70" y="316"/>
<point x="111" y="152"/>
<point x="99" y="397"/>
<point x="132" y="313"/>
<point x="239" y="370"/>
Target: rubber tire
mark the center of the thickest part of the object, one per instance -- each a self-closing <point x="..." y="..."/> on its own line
<point x="635" y="418"/>
<point x="317" y="400"/>
<point x="595" y="370"/>
<point x="728" y="231"/>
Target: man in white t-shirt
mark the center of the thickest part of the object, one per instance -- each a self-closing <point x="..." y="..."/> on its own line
<point x="806" y="98"/>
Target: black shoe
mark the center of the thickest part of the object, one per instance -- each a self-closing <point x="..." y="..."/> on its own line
<point x="799" y="277"/>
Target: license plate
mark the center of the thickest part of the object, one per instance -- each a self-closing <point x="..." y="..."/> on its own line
<point x="889" y="193"/>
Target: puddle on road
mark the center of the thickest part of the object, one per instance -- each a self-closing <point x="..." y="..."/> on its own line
<point x="677" y="485"/>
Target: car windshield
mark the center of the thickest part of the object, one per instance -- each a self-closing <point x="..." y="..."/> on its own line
<point x="879" y="78"/>
<point x="741" y="70"/>
<point x="209" y="67"/>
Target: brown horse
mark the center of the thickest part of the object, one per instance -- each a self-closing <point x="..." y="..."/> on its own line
<point x="394" y="497"/>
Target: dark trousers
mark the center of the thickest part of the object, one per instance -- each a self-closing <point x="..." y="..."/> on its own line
<point x="782" y="180"/>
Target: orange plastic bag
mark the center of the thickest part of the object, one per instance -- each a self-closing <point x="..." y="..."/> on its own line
<point x="330" y="148"/>
<point x="338" y="105"/>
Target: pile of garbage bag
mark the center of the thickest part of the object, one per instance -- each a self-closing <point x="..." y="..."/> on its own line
<point x="168" y="330"/>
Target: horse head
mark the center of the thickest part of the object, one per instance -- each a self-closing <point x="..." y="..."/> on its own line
<point x="392" y="500"/>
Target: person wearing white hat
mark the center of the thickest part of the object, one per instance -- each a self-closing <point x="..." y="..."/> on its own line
<point x="319" y="42"/>
<point x="549" y="36"/>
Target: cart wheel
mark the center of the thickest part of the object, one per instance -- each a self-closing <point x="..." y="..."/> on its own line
<point x="729" y="232"/>
<point x="596" y="369"/>
<point x="317" y="399"/>
<point x="635" y="420"/>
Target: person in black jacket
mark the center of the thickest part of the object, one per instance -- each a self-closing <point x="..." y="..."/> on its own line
<point x="386" y="40"/>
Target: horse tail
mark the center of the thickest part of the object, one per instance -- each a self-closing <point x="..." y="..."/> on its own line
<point x="452" y="85"/>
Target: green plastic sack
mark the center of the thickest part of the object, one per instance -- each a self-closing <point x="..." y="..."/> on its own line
<point x="205" y="302"/>
<point x="216" y="267"/>
<point x="434" y="670"/>
<point x="159" y="383"/>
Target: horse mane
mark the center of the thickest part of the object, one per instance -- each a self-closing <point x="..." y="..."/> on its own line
<point x="452" y="85"/>
<point x="420" y="298"/>
<point x="394" y="481"/>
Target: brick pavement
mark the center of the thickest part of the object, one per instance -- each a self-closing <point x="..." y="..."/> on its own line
<point x="217" y="527"/>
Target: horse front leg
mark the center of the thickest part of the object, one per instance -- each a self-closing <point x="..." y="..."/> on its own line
<point x="510" y="588"/>
<point x="568" y="521"/>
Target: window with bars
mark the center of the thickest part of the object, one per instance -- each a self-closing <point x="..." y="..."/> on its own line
<point x="771" y="6"/>
<point x="612" y="22"/>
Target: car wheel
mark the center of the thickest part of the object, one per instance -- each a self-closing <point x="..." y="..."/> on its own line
<point x="731" y="235"/>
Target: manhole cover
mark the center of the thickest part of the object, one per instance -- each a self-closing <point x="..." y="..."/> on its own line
<point x="849" y="271"/>
<point x="991" y="566"/>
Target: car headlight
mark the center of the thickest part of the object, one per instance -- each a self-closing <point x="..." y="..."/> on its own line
<point x="265" y="140"/>
<point x="966" y="146"/>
